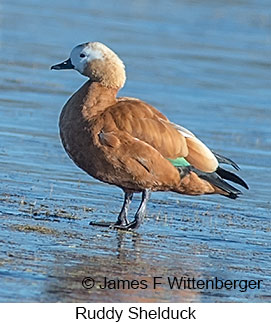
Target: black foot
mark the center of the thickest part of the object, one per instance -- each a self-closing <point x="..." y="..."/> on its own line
<point x="122" y="221"/>
<point x="138" y="216"/>
<point x="117" y="226"/>
<point x="101" y="224"/>
<point x="126" y="227"/>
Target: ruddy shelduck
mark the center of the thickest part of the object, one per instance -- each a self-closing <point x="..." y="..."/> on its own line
<point x="128" y="143"/>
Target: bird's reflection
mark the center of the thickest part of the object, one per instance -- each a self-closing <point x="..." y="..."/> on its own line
<point x="130" y="269"/>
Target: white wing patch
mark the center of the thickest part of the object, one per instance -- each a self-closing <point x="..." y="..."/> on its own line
<point x="199" y="155"/>
<point x="185" y="132"/>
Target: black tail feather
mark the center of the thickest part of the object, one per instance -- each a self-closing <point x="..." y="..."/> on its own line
<point x="218" y="177"/>
<point x="231" y="177"/>
<point x="224" y="160"/>
<point x="217" y="181"/>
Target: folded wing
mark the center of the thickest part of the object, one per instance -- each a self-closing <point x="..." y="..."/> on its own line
<point x="147" y="124"/>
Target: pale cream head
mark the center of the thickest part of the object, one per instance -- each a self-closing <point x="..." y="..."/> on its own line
<point x="99" y="63"/>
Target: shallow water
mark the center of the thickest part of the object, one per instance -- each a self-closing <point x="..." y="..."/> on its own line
<point x="206" y="65"/>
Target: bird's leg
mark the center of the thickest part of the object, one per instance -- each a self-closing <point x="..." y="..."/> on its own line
<point x="139" y="213"/>
<point x="122" y="218"/>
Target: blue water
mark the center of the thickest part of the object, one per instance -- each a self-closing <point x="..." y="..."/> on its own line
<point x="206" y="65"/>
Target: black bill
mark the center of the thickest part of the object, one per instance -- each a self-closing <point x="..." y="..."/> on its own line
<point x="66" y="65"/>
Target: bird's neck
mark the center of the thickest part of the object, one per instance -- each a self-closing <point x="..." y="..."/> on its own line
<point x="96" y="98"/>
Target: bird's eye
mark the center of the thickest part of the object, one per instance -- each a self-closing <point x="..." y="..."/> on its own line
<point x="82" y="55"/>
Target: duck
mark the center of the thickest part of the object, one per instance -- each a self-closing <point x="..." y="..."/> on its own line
<point x="126" y="142"/>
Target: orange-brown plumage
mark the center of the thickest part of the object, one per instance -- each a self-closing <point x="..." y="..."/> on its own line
<point x="127" y="142"/>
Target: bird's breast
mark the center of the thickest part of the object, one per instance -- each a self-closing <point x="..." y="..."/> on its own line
<point x="90" y="148"/>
